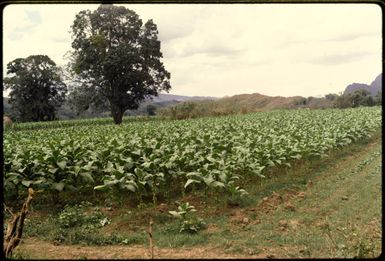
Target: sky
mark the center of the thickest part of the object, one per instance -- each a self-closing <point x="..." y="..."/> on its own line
<point x="227" y="49"/>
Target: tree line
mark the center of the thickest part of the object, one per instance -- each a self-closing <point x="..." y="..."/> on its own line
<point x="360" y="97"/>
<point x="114" y="63"/>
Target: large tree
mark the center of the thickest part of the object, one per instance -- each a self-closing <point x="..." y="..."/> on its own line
<point x="117" y="58"/>
<point x="36" y="87"/>
<point x="83" y="97"/>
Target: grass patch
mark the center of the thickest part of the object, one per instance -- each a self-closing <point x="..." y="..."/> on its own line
<point x="74" y="226"/>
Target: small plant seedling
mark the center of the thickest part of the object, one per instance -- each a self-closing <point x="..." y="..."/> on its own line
<point x="189" y="222"/>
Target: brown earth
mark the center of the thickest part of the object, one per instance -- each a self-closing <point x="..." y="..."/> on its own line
<point x="50" y="251"/>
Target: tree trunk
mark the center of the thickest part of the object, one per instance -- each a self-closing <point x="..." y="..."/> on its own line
<point x="15" y="226"/>
<point x="117" y="113"/>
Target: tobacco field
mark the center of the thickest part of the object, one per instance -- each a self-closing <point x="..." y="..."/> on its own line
<point x="147" y="158"/>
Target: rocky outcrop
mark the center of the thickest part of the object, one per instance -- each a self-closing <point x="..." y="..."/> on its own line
<point x="356" y="86"/>
<point x="373" y="88"/>
<point x="376" y="85"/>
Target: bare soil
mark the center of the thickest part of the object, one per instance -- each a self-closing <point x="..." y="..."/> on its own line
<point x="51" y="251"/>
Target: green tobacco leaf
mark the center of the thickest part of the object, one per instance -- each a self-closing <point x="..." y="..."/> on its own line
<point x="62" y="164"/>
<point x="130" y="187"/>
<point x="211" y="159"/>
<point x="27" y="183"/>
<point x="194" y="174"/>
<point x="110" y="167"/>
<point x="148" y="165"/>
<point x="270" y="163"/>
<point x="53" y="170"/>
<point x="297" y="156"/>
<point x="21" y="170"/>
<point x="112" y="182"/>
<point x="71" y="188"/>
<point x="58" y="186"/>
<point x="39" y="181"/>
<point x="87" y="176"/>
<point x="217" y="184"/>
<point x="129" y="163"/>
<point x="88" y="167"/>
<point x="175" y="214"/>
<point x="240" y="144"/>
<point x="101" y="187"/>
<point x="190" y="181"/>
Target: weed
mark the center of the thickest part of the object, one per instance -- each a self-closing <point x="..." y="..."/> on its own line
<point x="93" y="237"/>
<point x="70" y="216"/>
<point x="73" y="216"/>
<point x="189" y="222"/>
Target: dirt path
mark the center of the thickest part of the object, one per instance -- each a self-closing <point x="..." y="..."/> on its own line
<point x="117" y="252"/>
<point x="337" y="215"/>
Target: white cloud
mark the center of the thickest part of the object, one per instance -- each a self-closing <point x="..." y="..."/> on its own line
<point x="223" y="49"/>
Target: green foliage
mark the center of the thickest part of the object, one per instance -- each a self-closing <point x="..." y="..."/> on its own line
<point x="93" y="237"/>
<point x="120" y="65"/>
<point x="94" y="122"/>
<point x="343" y="101"/>
<point x="70" y="216"/>
<point x="378" y="98"/>
<point x="37" y="89"/>
<point x="151" y="109"/>
<point x="189" y="222"/>
<point x="331" y="96"/>
<point x="86" y="230"/>
<point x="235" y="192"/>
<point x="82" y="98"/>
<point x="144" y="159"/>
<point x="360" y="97"/>
<point x="73" y="216"/>
<point x="8" y="110"/>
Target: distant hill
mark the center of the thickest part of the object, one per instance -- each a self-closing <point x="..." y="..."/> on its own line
<point x="163" y="97"/>
<point x="376" y="85"/>
<point x="242" y="103"/>
<point x="356" y="86"/>
<point x="257" y="101"/>
<point x="373" y="88"/>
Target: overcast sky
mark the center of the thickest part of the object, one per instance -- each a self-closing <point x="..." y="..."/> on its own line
<point x="227" y="49"/>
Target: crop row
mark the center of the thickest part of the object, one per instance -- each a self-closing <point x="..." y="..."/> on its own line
<point x="147" y="158"/>
<point x="74" y="122"/>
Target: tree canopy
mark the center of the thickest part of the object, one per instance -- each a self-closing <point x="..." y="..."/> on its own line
<point x="37" y="89"/>
<point x="116" y="58"/>
<point x="360" y="97"/>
